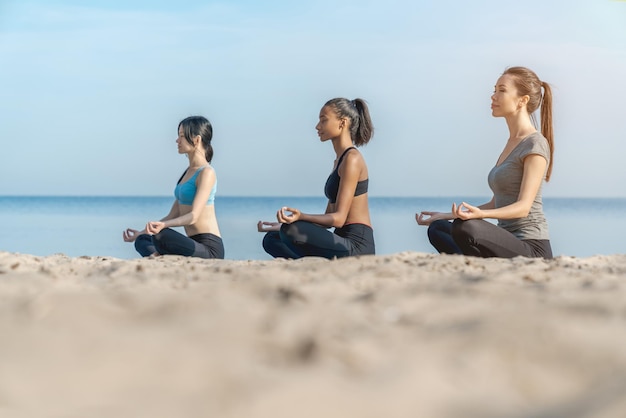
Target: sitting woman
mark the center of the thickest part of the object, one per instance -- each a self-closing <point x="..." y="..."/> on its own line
<point x="346" y="124"/>
<point x="193" y="208"/>
<point x="515" y="180"/>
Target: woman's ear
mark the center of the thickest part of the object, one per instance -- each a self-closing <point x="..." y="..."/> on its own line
<point x="524" y="100"/>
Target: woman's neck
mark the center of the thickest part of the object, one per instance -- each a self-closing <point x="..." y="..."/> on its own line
<point x="520" y="126"/>
<point x="196" y="160"/>
<point x="341" y="144"/>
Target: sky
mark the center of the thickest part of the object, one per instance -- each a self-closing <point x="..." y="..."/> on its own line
<point x="91" y="92"/>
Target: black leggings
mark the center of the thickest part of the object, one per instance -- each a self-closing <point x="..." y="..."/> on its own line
<point x="171" y="242"/>
<point x="480" y="238"/>
<point x="301" y="239"/>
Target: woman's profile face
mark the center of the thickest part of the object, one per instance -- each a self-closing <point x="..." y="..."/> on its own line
<point x="329" y="125"/>
<point x="505" y="99"/>
<point x="184" y="146"/>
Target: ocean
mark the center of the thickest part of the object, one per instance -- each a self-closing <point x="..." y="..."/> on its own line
<point x="92" y="226"/>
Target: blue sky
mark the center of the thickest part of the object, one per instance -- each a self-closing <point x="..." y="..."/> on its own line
<point x="92" y="92"/>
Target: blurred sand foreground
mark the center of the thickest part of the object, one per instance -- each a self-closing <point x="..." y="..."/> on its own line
<point x="405" y="335"/>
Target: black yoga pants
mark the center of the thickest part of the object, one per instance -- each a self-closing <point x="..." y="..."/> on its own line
<point x="479" y="238"/>
<point x="170" y="242"/>
<point x="301" y="239"/>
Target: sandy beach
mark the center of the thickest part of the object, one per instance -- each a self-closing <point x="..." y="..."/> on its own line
<point x="405" y="335"/>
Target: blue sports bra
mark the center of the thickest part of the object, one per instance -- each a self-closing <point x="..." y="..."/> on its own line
<point x="332" y="183"/>
<point x="186" y="192"/>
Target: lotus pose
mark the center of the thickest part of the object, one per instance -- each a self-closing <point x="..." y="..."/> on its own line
<point x="346" y="124"/>
<point x="515" y="180"/>
<point x="193" y="208"/>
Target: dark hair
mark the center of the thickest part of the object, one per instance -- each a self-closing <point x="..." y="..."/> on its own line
<point x="528" y="83"/>
<point x="361" y="128"/>
<point x="199" y="125"/>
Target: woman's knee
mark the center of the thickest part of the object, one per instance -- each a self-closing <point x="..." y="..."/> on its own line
<point x="437" y="228"/>
<point x="468" y="228"/>
<point x="269" y="240"/>
<point x="142" y="240"/>
<point x="144" y="245"/>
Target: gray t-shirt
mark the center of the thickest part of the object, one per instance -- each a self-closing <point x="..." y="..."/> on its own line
<point x="505" y="181"/>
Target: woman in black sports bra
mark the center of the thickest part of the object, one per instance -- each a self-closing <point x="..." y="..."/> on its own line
<point x="347" y="124"/>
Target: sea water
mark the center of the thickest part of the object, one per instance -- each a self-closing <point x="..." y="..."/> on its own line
<point x="93" y="226"/>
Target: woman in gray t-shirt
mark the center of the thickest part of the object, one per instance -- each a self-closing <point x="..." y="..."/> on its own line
<point x="515" y="181"/>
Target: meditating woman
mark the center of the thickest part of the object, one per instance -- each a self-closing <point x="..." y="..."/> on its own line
<point x="515" y="181"/>
<point x="194" y="206"/>
<point x="347" y="125"/>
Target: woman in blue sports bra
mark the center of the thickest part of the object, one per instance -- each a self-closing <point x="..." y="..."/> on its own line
<point x="345" y="123"/>
<point x="193" y="208"/>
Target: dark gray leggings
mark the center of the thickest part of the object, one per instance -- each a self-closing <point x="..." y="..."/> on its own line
<point x="480" y="238"/>
<point x="171" y="242"/>
<point x="301" y="239"/>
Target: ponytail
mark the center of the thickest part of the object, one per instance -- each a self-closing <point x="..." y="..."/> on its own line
<point x="208" y="151"/>
<point x="546" y="123"/>
<point x="364" y="129"/>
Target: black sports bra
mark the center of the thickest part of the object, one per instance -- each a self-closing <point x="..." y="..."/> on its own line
<point x="332" y="183"/>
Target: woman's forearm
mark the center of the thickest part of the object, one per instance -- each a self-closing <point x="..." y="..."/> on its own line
<point x="513" y="211"/>
<point x="327" y="220"/>
<point x="184" y="220"/>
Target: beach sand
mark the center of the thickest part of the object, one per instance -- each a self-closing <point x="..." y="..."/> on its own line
<point x="404" y="335"/>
